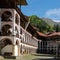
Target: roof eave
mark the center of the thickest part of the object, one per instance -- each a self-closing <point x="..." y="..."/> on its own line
<point x="21" y="2"/>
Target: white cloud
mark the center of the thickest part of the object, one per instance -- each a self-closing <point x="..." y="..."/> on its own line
<point x="53" y="14"/>
<point x="56" y="20"/>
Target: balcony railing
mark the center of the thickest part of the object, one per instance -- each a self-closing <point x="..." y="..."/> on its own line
<point x="27" y="38"/>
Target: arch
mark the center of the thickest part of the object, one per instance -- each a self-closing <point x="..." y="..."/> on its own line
<point x="17" y="19"/>
<point x="58" y="50"/>
<point x="5" y="42"/>
<point x="20" y="31"/>
<point x="7" y="30"/>
<point x="17" y="42"/>
<point x="6" y="16"/>
<point x="21" y="47"/>
<point x="17" y="33"/>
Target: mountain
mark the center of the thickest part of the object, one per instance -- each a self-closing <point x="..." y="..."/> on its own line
<point x="45" y="25"/>
<point x="50" y="22"/>
<point x="58" y="23"/>
<point x="41" y="24"/>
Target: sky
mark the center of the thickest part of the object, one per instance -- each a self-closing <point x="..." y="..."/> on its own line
<point x="43" y="8"/>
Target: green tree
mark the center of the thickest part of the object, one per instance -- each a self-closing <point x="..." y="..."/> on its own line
<point x="57" y="27"/>
<point x="39" y="23"/>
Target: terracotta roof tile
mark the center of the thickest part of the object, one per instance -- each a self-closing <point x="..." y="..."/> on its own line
<point x="54" y="34"/>
<point x="41" y="34"/>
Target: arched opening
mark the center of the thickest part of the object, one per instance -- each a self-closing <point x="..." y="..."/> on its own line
<point x="17" y="42"/>
<point x="17" y="19"/>
<point x="5" y="42"/>
<point x="21" y="49"/>
<point x="6" y="16"/>
<point x="17" y="33"/>
<point x="6" y="30"/>
<point x="20" y="31"/>
<point x="58" y="51"/>
<point x="3" y="49"/>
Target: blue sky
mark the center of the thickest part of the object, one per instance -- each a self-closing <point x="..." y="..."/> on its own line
<point x="43" y="8"/>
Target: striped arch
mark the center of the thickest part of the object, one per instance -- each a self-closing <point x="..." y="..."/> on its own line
<point x="6" y="29"/>
<point x="6" y="15"/>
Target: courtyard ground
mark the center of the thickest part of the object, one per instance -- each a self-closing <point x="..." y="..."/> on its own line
<point x="35" y="57"/>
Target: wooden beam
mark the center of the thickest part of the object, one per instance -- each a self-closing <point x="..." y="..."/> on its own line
<point x="20" y="2"/>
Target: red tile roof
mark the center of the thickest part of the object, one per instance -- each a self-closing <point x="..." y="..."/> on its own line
<point x="41" y="34"/>
<point x="45" y="35"/>
<point x="54" y="34"/>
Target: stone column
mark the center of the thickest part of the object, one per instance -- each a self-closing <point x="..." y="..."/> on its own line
<point x="15" y="50"/>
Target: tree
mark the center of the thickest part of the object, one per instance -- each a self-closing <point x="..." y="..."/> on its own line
<point x="57" y="27"/>
<point x="39" y="23"/>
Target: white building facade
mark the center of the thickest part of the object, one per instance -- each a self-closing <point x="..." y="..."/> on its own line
<point x="14" y="39"/>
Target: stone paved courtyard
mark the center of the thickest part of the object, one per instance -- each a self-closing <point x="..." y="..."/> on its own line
<point x="35" y="57"/>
